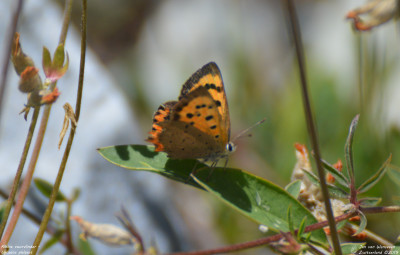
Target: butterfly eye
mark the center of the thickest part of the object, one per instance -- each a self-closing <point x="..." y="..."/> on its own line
<point x="230" y="147"/>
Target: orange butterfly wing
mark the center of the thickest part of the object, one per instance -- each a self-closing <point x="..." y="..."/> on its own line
<point x="209" y="76"/>
<point x="198" y="125"/>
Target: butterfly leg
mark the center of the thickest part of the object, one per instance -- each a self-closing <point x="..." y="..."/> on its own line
<point x="212" y="167"/>
<point x="226" y="163"/>
<point x="194" y="170"/>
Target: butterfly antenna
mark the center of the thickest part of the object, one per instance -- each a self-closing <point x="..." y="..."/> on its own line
<point x="241" y="134"/>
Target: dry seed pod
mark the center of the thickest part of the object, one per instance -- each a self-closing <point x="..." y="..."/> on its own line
<point x="106" y="233"/>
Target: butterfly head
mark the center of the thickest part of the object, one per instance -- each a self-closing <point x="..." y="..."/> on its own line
<point x="230" y="148"/>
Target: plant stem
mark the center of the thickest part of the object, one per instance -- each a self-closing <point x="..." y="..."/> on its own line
<point x="4" y="71"/>
<point x="360" y="65"/>
<point x="27" y="180"/>
<point x="352" y="228"/>
<point x="57" y="183"/>
<point x="13" y="192"/>
<point x="49" y="230"/>
<point x="310" y="123"/>
<point x="68" y="226"/>
<point x="52" y="200"/>
<point x="36" y="150"/>
<point x="265" y="240"/>
<point x="380" y="209"/>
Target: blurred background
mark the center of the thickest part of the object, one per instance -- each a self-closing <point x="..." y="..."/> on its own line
<point x="141" y="52"/>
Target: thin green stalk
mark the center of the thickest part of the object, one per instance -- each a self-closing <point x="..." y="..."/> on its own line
<point x="52" y="200"/>
<point x="13" y="192"/>
<point x="65" y="25"/>
<point x="295" y="30"/>
<point x="27" y="180"/>
<point x="27" y="213"/>
<point x="68" y="226"/>
<point x="57" y="183"/>
<point x="35" y="219"/>
<point x="360" y="64"/>
<point x="36" y="150"/>
<point x="6" y="60"/>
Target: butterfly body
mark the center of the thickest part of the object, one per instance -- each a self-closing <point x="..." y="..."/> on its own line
<point x="197" y="126"/>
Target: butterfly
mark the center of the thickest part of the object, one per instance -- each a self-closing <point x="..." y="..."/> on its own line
<point x="197" y="126"/>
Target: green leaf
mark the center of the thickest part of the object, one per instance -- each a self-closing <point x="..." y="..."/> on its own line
<point x="75" y="194"/>
<point x="339" y="176"/>
<point x="289" y="219"/>
<point x="302" y="227"/>
<point x="351" y="248"/>
<point x="64" y="69"/>
<point x="46" y="59"/>
<point x="368" y="184"/>
<point x="337" y="192"/>
<point x="233" y="186"/>
<point x="395" y="249"/>
<point x="370" y="201"/>
<point x="85" y="248"/>
<point x="394" y="173"/>
<point x="312" y="177"/>
<point x="46" y="188"/>
<point x="293" y="188"/>
<point x="258" y="199"/>
<point x="59" y="55"/>
<point x="363" y="223"/>
<point x="333" y="190"/>
<point x="144" y="158"/>
<point x="341" y="224"/>
<point x="348" y="148"/>
<point x="52" y="241"/>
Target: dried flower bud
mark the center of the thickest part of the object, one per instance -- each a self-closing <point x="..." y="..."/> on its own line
<point x="303" y="163"/>
<point x="43" y="96"/>
<point x="355" y="218"/>
<point x="310" y="195"/>
<point x="287" y="245"/>
<point x="29" y="80"/>
<point x="34" y="98"/>
<point x="18" y="57"/>
<point x="379" y="11"/>
<point x="106" y="233"/>
<point x="49" y="97"/>
<point x="338" y="166"/>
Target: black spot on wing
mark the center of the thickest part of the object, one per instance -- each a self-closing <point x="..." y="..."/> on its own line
<point x="209" y="117"/>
